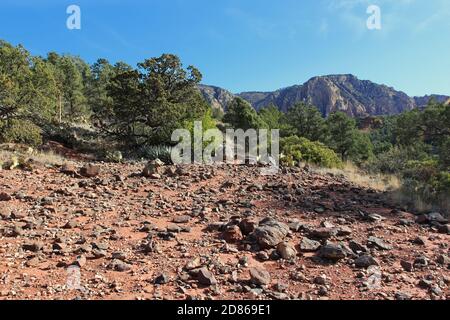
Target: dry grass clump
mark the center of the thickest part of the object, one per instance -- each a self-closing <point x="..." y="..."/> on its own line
<point x="11" y="157"/>
<point x="378" y="182"/>
<point x="397" y="193"/>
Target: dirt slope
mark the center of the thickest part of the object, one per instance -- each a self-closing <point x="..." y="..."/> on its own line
<point x="131" y="237"/>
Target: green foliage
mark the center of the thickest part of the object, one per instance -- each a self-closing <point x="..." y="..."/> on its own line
<point x="20" y="131"/>
<point x="341" y="130"/>
<point x="114" y="156"/>
<point x="362" y="148"/>
<point x="161" y="152"/>
<point x="408" y="128"/>
<point x="149" y="103"/>
<point x="208" y="122"/>
<point x="444" y="154"/>
<point x="272" y="117"/>
<point x="298" y="149"/>
<point x="241" y="115"/>
<point x="425" y="180"/>
<point x="72" y="75"/>
<point x="383" y="137"/>
<point x="394" y="161"/>
<point x="306" y="121"/>
<point x="97" y="91"/>
<point x="218" y="114"/>
<point x="27" y="86"/>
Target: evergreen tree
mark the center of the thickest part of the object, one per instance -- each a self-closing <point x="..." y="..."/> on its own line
<point x="241" y="115"/>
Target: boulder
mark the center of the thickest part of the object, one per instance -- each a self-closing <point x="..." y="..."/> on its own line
<point x="270" y="233"/>
<point x="332" y="252"/>
<point x="378" y="243"/>
<point x="308" y="245"/>
<point x="232" y="234"/>
<point x="366" y="261"/>
<point x="286" y="250"/>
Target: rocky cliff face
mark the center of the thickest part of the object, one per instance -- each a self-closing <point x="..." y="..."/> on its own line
<point x="358" y="98"/>
<point x="422" y="101"/>
<point x="217" y="97"/>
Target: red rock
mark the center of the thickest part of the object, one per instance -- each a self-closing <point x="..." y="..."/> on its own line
<point x="232" y="234"/>
<point x="90" y="171"/>
<point x="260" y="276"/>
<point x="4" y="196"/>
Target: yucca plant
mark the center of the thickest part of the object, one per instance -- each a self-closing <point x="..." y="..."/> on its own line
<point x="160" y="152"/>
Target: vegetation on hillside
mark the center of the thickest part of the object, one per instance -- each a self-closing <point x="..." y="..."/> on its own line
<point x="109" y="108"/>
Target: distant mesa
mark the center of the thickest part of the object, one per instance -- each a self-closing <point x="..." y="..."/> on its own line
<point x="331" y="93"/>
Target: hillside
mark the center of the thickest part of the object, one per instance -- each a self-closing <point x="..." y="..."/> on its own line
<point x="224" y="232"/>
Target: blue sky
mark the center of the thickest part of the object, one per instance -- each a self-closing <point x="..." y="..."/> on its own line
<point x="245" y="45"/>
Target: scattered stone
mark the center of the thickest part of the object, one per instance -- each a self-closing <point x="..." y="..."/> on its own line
<point x="270" y="233"/>
<point x="308" y="245"/>
<point x="407" y="266"/>
<point x="182" y="219"/>
<point x="248" y="226"/>
<point x="402" y="296"/>
<point x="90" y="171"/>
<point x="119" y="265"/>
<point x="162" y="279"/>
<point x="319" y="210"/>
<point x="378" y="243"/>
<point x="357" y="247"/>
<point x="366" y="261"/>
<point x="193" y="264"/>
<point x="321" y="280"/>
<point x="205" y="277"/>
<point x="425" y="284"/>
<point x="262" y="256"/>
<point x="443" y="259"/>
<point x="70" y="224"/>
<point x="4" y="196"/>
<point x="344" y="231"/>
<point x="421" y="262"/>
<point x="430" y="218"/>
<point x="232" y="234"/>
<point x="419" y="241"/>
<point x="173" y="228"/>
<point x="444" y="229"/>
<point x="287" y="251"/>
<point x="332" y="252"/>
<point x="80" y="261"/>
<point x="33" y="246"/>
<point x="68" y="169"/>
<point x="322" y="233"/>
<point x="153" y="168"/>
<point x="259" y="276"/>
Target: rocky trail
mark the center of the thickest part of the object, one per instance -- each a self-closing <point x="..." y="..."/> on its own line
<point x="112" y="231"/>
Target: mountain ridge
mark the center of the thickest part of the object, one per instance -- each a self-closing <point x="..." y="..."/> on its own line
<point x="330" y="93"/>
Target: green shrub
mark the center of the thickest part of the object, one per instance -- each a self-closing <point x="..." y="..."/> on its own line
<point x="161" y="152"/>
<point x="113" y="156"/>
<point x="395" y="160"/>
<point x="296" y="149"/>
<point x="21" y="131"/>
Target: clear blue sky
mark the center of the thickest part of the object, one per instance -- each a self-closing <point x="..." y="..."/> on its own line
<point x="245" y="45"/>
